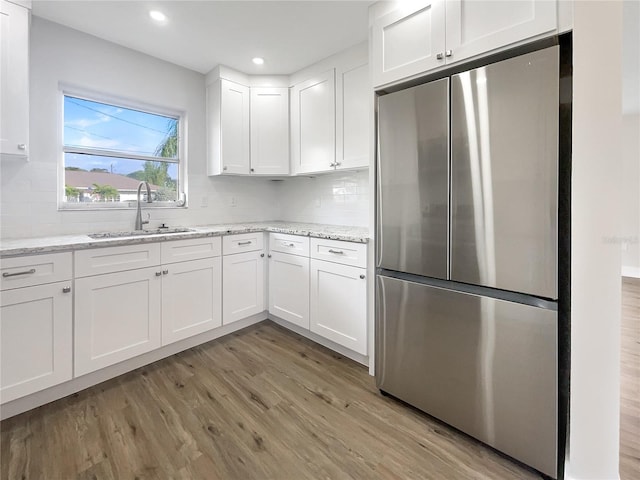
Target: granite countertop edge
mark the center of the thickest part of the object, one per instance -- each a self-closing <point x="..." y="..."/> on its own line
<point x="65" y="243"/>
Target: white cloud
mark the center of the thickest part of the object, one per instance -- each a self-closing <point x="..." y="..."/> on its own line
<point x="105" y="143"/>
<point x="88" y="122"/>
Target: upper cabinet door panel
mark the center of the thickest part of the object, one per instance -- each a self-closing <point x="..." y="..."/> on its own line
<point x="476" y="27"/>
<point x="407" y="41"/>
<point x="234" y="127"/>
<point x="14" y="87"/>
<point x="313" y="123"/>
<point x="270" y="131"/>
<point x="353" y="112"/>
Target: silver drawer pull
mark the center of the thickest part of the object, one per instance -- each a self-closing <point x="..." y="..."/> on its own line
<point x="66" y="289"/>
<point x="289" y="245"/>
<point x="26" y="272"/>
<point x="339" y="252"/>
<point x="245" y="243"/>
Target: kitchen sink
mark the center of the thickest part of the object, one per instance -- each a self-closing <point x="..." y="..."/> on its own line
<point x="138" y="233"/>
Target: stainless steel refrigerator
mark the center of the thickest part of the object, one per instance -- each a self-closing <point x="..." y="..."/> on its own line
<point x="467" y="217"/>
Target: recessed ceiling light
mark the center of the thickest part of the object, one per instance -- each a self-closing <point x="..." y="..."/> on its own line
<point x="258" y="60"/>
<point x="157" y="16"/>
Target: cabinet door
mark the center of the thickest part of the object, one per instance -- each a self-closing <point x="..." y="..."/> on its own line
<point x="234" y="127"/>
<point x="270" y="131"/>
<point x="289" y="288"/>
<point x="477" y="27"/>
<point x="408" y="41"/>
<point x="14" y="87"/>
<point x="313" y="121"/>
<point x="36" y="339"/>
<point x="353" y="117"/>
<point x="242" y="286"/>
<point x="117" y="317"/>
<point x="338" y="303"/>
<point x="191" y="298"/>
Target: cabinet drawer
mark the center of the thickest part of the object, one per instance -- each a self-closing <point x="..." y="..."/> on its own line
<point x="347" y="253"/>
<point x="116" y="259"/>
<point x="285" y="243"/>
<point x="35" y="270"/>
<point x="243" y="242"/>
<point x="190" y="249"/>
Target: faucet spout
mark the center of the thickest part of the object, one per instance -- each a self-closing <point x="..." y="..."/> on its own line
<point x="139" y="221"/>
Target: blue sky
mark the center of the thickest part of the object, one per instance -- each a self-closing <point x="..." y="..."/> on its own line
<point x="107" y="127"/>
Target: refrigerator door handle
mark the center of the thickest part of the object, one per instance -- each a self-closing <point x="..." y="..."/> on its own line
<point x="378" y="239"/>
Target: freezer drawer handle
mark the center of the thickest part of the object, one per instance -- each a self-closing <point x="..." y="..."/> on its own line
<point x="245" y="243"/>
<point x="339" y="252"/>
<point x="26" y="272"/>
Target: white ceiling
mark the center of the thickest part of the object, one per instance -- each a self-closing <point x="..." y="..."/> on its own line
<point x="199" y="35"/>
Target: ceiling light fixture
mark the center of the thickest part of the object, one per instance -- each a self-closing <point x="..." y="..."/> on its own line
<point x="258" y="60"/>
<point x="157" y="16"/>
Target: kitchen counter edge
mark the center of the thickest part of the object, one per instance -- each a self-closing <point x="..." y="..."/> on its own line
<point x="65" y="243"/>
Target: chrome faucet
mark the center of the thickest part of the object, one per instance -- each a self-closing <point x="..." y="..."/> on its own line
<point x="139" y="221"/>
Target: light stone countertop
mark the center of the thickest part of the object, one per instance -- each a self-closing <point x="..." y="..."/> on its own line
<point x="28" y="246"/>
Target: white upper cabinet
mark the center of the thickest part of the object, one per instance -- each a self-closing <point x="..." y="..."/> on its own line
<point x="14" y="86"/>
<point x="313" y="124"/>
<point x="408" y="40"/>
<point x="228" y="115"/>
<point x="353" y="111"/>
<point x="476" y="27"/>
<point x="269" y="131"/>
<point x="423" y="35"/>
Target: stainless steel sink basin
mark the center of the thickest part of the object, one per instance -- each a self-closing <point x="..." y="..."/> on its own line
<point x="138" y="233"/>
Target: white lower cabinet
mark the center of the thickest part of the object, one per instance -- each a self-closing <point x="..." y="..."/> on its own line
<point x="191" y="298"/>
<point x="242" y="285"/>
<point x="117" y="317"/>
<point x="338" y="302"/>
<point x="289" y="287"/>
<point x="35" y="336"/>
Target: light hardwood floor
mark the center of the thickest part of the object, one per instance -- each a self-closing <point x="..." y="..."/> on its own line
<point x="630" y="381"/>
<point x="263" y="403"/>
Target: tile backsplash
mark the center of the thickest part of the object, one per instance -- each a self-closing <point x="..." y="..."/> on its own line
<point x="340" y="198"/>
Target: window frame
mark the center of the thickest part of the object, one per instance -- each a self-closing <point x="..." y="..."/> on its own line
<point x="119" y="101"/>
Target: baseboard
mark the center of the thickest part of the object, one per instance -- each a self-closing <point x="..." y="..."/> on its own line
<point x="355" y="356"/>
<point x="62" y="390"/>
<point x="633" y="272"/>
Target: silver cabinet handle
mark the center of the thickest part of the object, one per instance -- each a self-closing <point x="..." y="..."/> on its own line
<point x="338" y="164"/>
<point x="440" y="56"/>
<point x="289" y="245"/>
<point x="252" y="170"/>
<point x="26" y="272"/>
<point x="332" y="165"/>
<point x="22" y="146"/>
<point x="158" y="274"/>
<point x="448" y="53"/>
<point x="224" y="168"/>
<point x="245" y="243"/>
<point x="362" y="276"/>
<point x="339" y="252"/>
<point x="262" y="255"/>
<point x="164" y="272"/>
<point x="66" y="289"/>
<point x="269" y="255"/>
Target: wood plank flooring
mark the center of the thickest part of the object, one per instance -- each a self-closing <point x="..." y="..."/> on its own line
<point x="630" y="381"/>
<point x="263" y="403"/>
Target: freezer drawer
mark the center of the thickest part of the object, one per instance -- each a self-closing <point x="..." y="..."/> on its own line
<point x="413" y="185"/>
<point x="504" y="184"/>
<point x="487" y="367"/>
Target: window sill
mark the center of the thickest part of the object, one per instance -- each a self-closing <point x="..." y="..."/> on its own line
<point x="108" y="206"/>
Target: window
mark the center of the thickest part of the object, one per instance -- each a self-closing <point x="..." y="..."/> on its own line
<point x="109" y="149"/>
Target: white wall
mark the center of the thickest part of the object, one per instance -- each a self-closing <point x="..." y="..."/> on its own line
<point x="338" y="198"/>
<point x="28" y="202"/>
<point x="630" y="240"/>
<point x="593" y="448"/>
